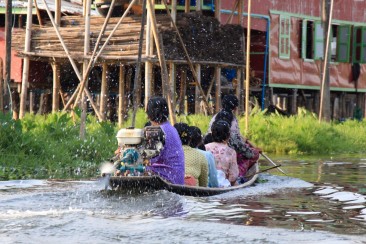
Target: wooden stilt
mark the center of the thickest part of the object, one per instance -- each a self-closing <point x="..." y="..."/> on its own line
<point x="218" y="10"/>
<point x="41" y="103"/>
<point x="31" y="102"/>
<point x="187" y="6"/>
<point x="174" y="10"/>
<point x="148" y="81"/>
<point x="121" y="96"/>
<point x="197" y="97"/>
<point x="294" y="101"/>
<point x="238" y="90"/>
<point x="104" y="93"/>
<point x="336" y="110"/>
<point x="15" y="104"/>
<point x="56" y="88"/>
<point x="198" y="5"/>
<point x="27" y="46"/>
<point x="183" y="89"/>
<point x="218" y="89"/>
<point x="172" y="76"/>
<point x="58" y="12"/>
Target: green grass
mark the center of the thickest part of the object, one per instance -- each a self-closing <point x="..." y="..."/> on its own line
<point x="49" y="146"/>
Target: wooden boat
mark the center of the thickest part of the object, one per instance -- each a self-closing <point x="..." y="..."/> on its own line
<point x="140" y="184"/>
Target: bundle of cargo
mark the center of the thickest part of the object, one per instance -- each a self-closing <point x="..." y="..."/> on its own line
<point x="205" y="39"/>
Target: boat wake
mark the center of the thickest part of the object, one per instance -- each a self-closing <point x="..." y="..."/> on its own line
<point x="266" y="184"/>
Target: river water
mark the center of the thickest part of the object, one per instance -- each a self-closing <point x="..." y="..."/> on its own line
<point x="321" y="200"/>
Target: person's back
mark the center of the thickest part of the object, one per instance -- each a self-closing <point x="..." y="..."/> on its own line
<point x="225" y="156"/>
<point x="196" y="166"/>
<point x="169" y="164"/>
<point x="247" y="155"/>
<point x="197" y="142"/>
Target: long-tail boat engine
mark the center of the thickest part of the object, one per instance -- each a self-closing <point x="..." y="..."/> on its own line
<point x="136" y="147"/>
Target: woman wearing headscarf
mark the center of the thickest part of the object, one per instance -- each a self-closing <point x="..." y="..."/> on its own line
<point x="246" y="154"/>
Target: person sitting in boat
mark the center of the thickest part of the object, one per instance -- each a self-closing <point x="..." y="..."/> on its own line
<point x="196" y="165"/>
<point x="247" y="155"/>
<point x="225" y="156"/>
<point x="197" y="142"/>
<point x="169" y="164"/>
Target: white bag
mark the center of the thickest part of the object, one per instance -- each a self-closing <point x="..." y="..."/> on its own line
<point x="223" y="182"/>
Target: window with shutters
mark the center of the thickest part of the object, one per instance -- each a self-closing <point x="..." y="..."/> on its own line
<point x="312" y="40"/>
<point x="359" y="44"/>
<point x="284" y="42"/>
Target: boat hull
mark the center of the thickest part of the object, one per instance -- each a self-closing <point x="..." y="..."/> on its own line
<point x="140" y="184"/>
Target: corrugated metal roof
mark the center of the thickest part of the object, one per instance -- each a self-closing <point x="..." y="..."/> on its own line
<point x="73" y="7"/>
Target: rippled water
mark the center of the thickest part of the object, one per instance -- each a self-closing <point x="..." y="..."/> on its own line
<point x="321" y="200"/>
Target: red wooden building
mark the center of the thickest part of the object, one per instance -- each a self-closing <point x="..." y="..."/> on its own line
<point x="288" y="48"/>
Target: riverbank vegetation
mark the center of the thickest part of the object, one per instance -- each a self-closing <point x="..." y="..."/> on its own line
<point x="48" y="146"/>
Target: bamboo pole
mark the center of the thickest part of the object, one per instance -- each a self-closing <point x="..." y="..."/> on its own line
<point x="172" y="77"/>
<point x="238" y="90"/>
<point x="324" y="111"/>
<point x="104" y="92"/>
<point x="197" y="91"/>
<point x="38" y="13"/>
<point x="183" y="88"/>
<point x="218" y="89"/>
<point x="31" y="102"/>
<point x="240" y="12"/>
<point x="247" y="63"/>
<point x="1" y="86"/>
<point x="25" y="75"/>
<point x="211" y="85"/>
<point x="55" y="87"/>
<point x="174" y="10"/>
<point x="55" y="66"/>
<point x="85" y="66"/>
<point x="121" y="92"/>
<point x="73" y="64"/>
<point x="93" y="58"/>
<point x="172" y="66"/>
<point x="137" y="82"/>
<point x="57" y="12"/>
<point x="195" y="76"/>
<point x="77" y="72"/>
<point x="161" y="55"/>
<point x="8" y="34"/>
<point x="229" y="20"/>
<point x="149" y="52"/>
